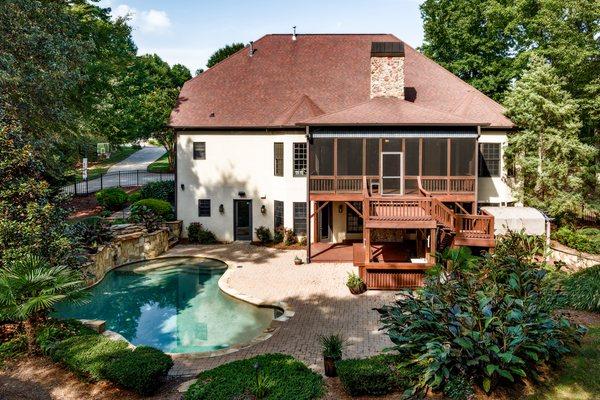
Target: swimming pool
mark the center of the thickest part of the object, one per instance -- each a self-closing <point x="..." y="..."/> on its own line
<point x="172" y="304"/>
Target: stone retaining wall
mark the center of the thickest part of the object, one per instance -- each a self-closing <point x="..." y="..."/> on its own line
<point x="574" y="259"/>
<point x="134" y="245"/>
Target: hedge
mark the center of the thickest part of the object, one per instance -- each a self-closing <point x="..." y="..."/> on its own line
<point x="113" y="199"/>
<point x="586" y="239"/>
<point x="376" y="375"/>
<point x="162" y="190"/>
<point x="160" y="207"/>
<point x="285" y="377"/>
<point x="96" y="357"/>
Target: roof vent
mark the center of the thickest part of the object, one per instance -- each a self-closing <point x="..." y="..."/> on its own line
<point x="387" y="49"/>
<point x="251" y="51"/>
<point x="294" y="38"/>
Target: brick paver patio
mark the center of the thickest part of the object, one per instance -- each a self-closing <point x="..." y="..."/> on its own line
<point x="317" y="294"/>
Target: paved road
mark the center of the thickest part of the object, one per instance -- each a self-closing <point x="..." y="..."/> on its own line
<point x="129" y="172"/>
<point x="139" y="160"/>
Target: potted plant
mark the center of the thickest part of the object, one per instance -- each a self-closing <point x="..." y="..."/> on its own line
<point x="356" y="284"/>
<point x="297" y="260"/>
<point x="331" y="347"/>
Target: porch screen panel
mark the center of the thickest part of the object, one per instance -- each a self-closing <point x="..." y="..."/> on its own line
<point x="411" y="156"/>
<point x="372" y="157"/>
<point x="435" y="157"/>
<point x="321" y="157"/>
<point x="391" y="144"/>
<point x="349" y="156"/>
<point x="462" y="157"/>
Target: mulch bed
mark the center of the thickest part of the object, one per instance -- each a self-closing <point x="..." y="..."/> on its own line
<point x="87" y="206"/>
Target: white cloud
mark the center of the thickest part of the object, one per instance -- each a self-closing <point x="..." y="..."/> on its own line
<point x="146" y="21"/>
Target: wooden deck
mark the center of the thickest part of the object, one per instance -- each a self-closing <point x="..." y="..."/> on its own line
<point x="331" y="252"/>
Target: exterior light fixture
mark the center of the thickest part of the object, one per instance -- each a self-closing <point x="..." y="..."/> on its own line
<point x="241" y="193"/>
<point x="263" y="209"/>
<point x="341" y="208"/>
<point x="182" y="186"/>
<point x="221" y="209"/>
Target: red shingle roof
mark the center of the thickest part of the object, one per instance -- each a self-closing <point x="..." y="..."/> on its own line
<point x="287" y="82"/>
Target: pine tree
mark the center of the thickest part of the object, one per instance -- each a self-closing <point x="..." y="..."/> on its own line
<point x="550" y="159"/>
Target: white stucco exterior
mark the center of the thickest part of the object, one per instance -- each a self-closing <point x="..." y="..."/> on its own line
<point x="236" y="161"/>
<point x="495" y="190"/>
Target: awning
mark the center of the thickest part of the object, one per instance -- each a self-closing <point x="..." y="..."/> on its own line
<point x="529" y="219"/>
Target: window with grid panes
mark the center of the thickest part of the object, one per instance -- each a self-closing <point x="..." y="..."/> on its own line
<point x="278" y="159"/>
<point x="489" y="159"/>
<point x="299" y="159"/>
<point x="278" y="214"/>
<point x="204" y="208"/>
<point x="354" y="223"/>
<point x="300" y="219"/>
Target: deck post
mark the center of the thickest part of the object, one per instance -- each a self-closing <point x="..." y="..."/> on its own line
<point x="308" y="230"/>
<point x="432" y="244"/>
<point x="367" y="242"/>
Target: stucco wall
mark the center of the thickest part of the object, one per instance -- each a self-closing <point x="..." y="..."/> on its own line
<point x="236" y="161"/>
<point x="494" y="190"/>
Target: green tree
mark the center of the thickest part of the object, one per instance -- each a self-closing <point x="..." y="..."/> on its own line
<point x="30" y="287"/>
<point x="464" y="37"/>
<point x="488" y="42"/>
<point x="223" y="53"/>
<point x="549" y="157"/>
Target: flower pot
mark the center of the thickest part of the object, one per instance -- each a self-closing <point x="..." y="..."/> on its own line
<point x="298" y="262"/>
<point x="358" y="289"/>
<point x="329" y="364"/>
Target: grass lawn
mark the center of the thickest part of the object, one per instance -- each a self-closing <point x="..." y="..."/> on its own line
<point x="97" y="168"/>
<point x="579" y="377"/>
<point x="160" y="165"/>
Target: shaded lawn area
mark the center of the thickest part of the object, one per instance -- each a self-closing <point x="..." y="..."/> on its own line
<point x="579" y="377"/>
<point x="160" y="165"/>
<point x="100" y="167"/>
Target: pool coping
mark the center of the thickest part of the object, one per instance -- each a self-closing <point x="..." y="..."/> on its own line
<point x="285" y="308"/>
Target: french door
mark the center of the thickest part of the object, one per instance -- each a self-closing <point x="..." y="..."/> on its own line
<point x="391" y="173"/>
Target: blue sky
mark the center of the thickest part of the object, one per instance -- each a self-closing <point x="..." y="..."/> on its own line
<point x="187" y="31"/>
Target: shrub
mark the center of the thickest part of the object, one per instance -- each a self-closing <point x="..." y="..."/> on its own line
<point x="582" y="289"/>
<point x="289" y="379"/>
<point x="97" y="357"/>
<point x="143" y="215"/>
<point x="278" y="235"/>
<point x="374" y="376"/>
<point x="134" y="197"/>
<point x="264" y="234"/>
<point x="12" y="348"/>
<point x="140" y="370"/>
<point x="161" y="190"/>
<point x="289" y="237"/>
<point x="113" y="199"/>
<point x="161" y="208"/>
<point x="92" y="232"/>
<point x="458" y="388"/>
<point x="586" y="240"/>
<point x="54" y="331"/>
<point x="197" y="234"/>
<point x="489" y="321"/>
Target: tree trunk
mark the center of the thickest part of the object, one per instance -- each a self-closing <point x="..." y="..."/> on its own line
<point x="29" y="326"/>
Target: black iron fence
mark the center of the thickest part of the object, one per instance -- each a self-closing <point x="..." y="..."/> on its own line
<point x="116" y="179"/>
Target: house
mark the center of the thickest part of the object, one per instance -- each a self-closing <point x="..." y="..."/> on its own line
<point x="358" y="142"/>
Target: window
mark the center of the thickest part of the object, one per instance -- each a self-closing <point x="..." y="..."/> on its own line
<point x="354" y="223"/>
<point x="489" y="159"/>
<point x="278" y="213"/>
<point x="204" y="208"/>
<point x="299" y="159"/>
<point x="349" y="156"/>
<point x="435" y="157"/>
<point x="199" y="150"/>
<point x="300" y="219"/>
<point x="278" y="159"/>
<point x="462" y="160"/>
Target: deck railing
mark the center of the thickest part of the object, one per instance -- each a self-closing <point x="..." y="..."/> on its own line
<point x="438" y="185"/>
<point x="475" y="226"/>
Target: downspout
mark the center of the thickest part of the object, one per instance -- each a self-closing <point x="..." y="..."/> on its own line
<point x="308" y="225"/>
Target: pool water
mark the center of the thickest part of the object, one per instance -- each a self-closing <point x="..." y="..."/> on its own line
<point x="172" y="304"/>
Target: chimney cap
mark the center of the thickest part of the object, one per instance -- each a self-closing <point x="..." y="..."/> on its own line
<point x="387" y="49"/>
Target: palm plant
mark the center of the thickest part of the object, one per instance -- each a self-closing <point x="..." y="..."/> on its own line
<point x="30" y="287"/>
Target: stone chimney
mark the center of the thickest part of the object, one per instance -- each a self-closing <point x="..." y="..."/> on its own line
<point x="387" y="69"/>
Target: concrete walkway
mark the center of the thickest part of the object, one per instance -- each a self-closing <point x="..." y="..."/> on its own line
<point x="140" y="160"/>
<point x="317" y="294"/>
